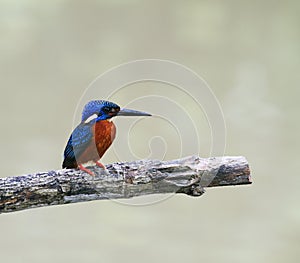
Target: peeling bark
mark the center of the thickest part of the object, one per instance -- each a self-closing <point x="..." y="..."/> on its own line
<point x="122" y="180"/>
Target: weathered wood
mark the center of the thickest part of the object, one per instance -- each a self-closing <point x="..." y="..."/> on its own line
<point x="122" y="180"/>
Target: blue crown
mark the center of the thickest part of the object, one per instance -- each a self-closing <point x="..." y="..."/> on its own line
<point x="95" y="107"/>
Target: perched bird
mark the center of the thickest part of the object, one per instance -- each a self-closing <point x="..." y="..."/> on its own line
<point x="93" y="136"/>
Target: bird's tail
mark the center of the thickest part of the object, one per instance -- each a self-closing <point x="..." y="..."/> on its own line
<point x="69" y="164"/>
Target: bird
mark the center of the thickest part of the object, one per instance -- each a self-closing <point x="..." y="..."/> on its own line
<point x="94" y="134"/>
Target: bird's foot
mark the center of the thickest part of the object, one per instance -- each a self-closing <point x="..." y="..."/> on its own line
<point x="105" y="171"/>
<point x="84" y="169"/>
<point x="100" y="165"/>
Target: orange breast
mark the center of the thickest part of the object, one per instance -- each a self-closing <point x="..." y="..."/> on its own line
<point x="104" y="133"/>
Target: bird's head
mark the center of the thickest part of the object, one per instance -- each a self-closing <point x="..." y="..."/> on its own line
<point x="103" y="110"/>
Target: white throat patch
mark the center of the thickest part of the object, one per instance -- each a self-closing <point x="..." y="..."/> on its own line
<point x="89" y="119"/>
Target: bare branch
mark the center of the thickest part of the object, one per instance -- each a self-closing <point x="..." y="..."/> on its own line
<point x="122" y="180"/>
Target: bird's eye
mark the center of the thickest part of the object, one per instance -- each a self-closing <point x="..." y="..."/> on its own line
<point x="106" y="109"/>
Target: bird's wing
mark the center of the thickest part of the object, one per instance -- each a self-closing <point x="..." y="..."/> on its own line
<point x="77" y="143"/>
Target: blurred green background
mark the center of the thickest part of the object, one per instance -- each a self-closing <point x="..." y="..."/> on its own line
<point x="248" y="52"/>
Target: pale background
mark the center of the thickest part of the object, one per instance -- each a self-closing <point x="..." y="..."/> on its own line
<point x="248" y="52"/>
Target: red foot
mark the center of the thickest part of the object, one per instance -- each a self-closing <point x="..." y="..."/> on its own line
<point x="100" y="165"/>
<point x="82" y="168"/>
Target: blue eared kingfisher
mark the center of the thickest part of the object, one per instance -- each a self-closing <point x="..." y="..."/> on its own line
<point x="94" y="135"/>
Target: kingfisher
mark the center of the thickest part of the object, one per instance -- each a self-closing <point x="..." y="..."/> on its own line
<point x="94" y="135"/>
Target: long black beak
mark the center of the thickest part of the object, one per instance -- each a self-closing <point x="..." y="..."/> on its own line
<point x="128" y="112"/>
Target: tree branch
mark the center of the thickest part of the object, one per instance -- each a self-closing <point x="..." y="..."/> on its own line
<point x="122" y="180"/>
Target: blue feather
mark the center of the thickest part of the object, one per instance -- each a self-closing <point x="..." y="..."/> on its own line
<point x="96" y="107"/>
<point x="77" y="143"/>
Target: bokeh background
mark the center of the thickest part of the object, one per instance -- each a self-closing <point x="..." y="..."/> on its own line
<point x="248" y="52"/>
